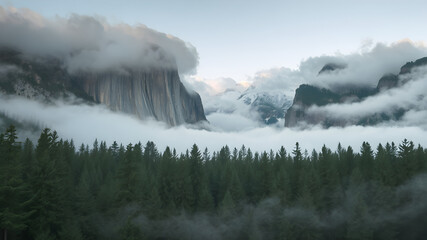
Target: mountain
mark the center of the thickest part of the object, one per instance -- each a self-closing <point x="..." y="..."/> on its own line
<point x="307" y="96"/>
<point x="147" y="93"/>
<point x="410" y="65"/>
<point x="330" y="67"/>
<point x="270" y="105"/>
<point x="36" y="78"/>
<point x="387" y="81"/>
<point x="157" y="93"/>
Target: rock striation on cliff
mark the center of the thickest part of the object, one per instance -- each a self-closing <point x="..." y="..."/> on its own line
<point x="157" y="94"/>
<point x="147" y="94"/>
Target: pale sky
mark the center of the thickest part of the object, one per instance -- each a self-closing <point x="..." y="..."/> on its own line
<point x="239" y="38"/>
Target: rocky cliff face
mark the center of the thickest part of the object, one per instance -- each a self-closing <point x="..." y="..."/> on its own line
<point x="387" y="81"/>
<point x="410" y="65"/>
<point x="307" y="96"/>
<point x="36" y="78"/>
<point x="330" y="67"/>
<point x="157" y="94"/>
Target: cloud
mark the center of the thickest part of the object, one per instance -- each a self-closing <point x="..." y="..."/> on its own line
<point x="410" y="95"/>
<point x="363" y="68"/>
<point x="85" y="123"/>
<point x="228" y="104"/>
<point x="212" y="87"/>
<point x="223" y="108"/>
<point x="232" y="122"/>
<point x="5" y="69"/>
<point x="277" y="79"/>
<point x="91" y="43"/>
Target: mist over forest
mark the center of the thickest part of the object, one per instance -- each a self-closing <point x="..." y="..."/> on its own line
<point x="56" y="190"/>
<point x="114" y="130"/>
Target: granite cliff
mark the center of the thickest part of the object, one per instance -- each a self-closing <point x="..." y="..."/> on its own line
<point x="158" y="94"/>
<point x="307" y="96"/>
<point x="154" y="93"/>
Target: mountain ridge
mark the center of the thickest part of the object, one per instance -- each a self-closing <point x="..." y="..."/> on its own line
<point x="307" y="96"/>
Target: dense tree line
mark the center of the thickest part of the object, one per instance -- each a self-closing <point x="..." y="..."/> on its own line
<point x="51" y="190"/>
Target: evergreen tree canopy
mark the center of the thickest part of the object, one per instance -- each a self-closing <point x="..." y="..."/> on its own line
<point x="51" y="190"/>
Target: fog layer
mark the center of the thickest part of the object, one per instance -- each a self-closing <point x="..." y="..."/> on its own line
<point x="84" y="124"/>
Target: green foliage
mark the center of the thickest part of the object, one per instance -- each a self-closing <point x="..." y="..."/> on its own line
<point x="54" y="191"/>
<point x="14" y="195"/>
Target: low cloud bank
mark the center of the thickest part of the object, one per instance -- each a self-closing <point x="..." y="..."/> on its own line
<point x="84" y="124"/>
<point x="363" y="68"/>
<point x="91" y="43"/>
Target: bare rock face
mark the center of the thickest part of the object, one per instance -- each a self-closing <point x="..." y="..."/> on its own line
<point x="150" y="93"/>
<point x="330" y="67"/>
<point x="387" y="81"/>
<point x="307" y="96"/>
<point x="410" y="65"/>
<point x="157" y="94"/>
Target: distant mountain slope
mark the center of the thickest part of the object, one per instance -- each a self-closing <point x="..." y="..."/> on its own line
<point x="271" y="105"/>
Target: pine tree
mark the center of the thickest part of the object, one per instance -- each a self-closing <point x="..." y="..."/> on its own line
<point x="329" y="178"/>
<point x="53" y="191"/>
<point x="131" y="232"/>
<point x="296" y="168"/>
<point x="153" y="204"/>
<point x="27" y="159"/>
<point x="235" y="187"/>
<point x="167" y="180"/>
<point x="367" y="161"/>
<point x="227" y="206"/>
<point x="357" y="228"/>
<point x="383" y="167"/>
<point x="407" y="161"/>
<point x="206" y="201"/>
<point x="13" y="190"/>
<point x="48" y="193"/>
<point x="196" y="175"/>
<point x="266" y="178"/>
<point x="129" y="177"/>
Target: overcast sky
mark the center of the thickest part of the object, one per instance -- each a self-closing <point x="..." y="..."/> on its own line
<point x="239" y="38"/>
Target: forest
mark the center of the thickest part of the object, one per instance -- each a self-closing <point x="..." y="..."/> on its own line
<point x="55" y="190"/>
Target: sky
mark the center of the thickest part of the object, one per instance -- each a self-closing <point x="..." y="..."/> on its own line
<point x="276" y="46"/>
<point x="237" y="39"/>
